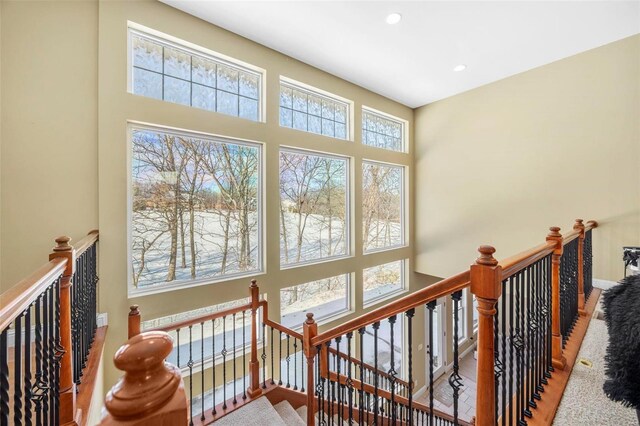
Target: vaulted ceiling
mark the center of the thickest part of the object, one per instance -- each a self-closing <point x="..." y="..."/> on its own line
<point x="413" y="61"/>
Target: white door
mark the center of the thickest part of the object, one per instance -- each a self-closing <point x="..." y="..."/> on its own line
<point x="435" y="338"/>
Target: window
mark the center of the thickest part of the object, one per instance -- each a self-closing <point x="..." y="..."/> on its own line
<point x="382" y="199"/>
<point x="309" y="110"/>
<point x="383" y="280"/>
<point x="476" y="314"/>
<point x="175" y="73"/>
<point x="313" y="207"/>
<point x="220" y="330"/>
<point x="385" y="346"/>
<point x="325" y="298"/>
<point x="382" y="131"/>
<point x="195" y="208"/>
<point x="462" y="317"/>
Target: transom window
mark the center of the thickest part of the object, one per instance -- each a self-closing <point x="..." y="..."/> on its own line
<point x="309" y="110"/>
<point x="382" y="130"/>
<point x="325" y="298"/>
<point x="382" y="202"/>
<point x="314" y="213"/>
<point x="383" y="281"/>
<point x="164" y="70"/>
<point x="195" y="208"/>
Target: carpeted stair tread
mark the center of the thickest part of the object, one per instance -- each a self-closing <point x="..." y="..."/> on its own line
<point x="288" y="414"/>
<point x="256" y="413"/>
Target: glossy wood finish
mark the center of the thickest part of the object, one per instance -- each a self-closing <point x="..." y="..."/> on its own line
<point x="133" y="321"/>
<point x="67" y="386"/>
<point x="254" y="389"/>
<point x="204" y="318"/>
<point x="310" y="331"/>
<point x="19" y="297"/>
<point x="556" y="338"/>
<point x="579" y="226"/>
<point x="82" y="245"/>
<point x="91" y="371"/>
<point x="486" y="284"/>
<point x="514" y="264"/>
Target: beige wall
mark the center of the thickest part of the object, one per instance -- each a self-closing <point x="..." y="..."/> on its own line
<point x="500" y="164"/>
<point x="116" y="106"/>
<point x="49" y="146"/>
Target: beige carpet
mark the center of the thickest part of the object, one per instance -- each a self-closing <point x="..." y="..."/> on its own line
<point x="584" y="403"/>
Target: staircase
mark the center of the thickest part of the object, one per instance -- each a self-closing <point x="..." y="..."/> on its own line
<point x="261" y="412"/>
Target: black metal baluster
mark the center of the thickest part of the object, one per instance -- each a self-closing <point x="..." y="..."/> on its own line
<point x="330" y="387"/>
<point x="338" y="385"/>
<point x="549" y="318"/>
<point x="503" y="355"/>
<point x="46" y="356"/>
<point x="511" y="346"/>
<point x="320" y="390"/>
<point x="280" y="358"/>
<point x="517" y="342"/>
<point x="190" y="365"/>
<point x="288" y="362"/>
<point x="362" y="379"/>
<point x="27" y="368"/>
<point x="349" y="378"/>
<point x="295" y="364"/>
<point x="52" y="358"/>
<point x="409" y="314"/>
<point x="496" y="354"/>
<point x="224" y="362"/>
<point x="522" y="360"/>
<point x="244" y="357"/>
<point x="235" y="377"/>
<point x="392" y="369"/>
<point x="4" y="379"/>
<point x="17" y="370"/>
<point x="376" y="408"/>
<point x="59" y="349"/>
<point x="213" y="366"/>
<point x="431" y="306"/>
<point x="264" y="356"/>
<point x="530" y="349"/>
<point x="202" y="371"/>
<point x="455" y="381"/>
<point x="303" y="367"/>
<point x="272" y="358"/>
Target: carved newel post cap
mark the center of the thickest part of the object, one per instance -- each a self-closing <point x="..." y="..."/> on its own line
<point x="133" y="310"/>
<point x="310" y="319"/>
<point x="554" y="232"/>
<point x="62" y="244"/>
<point x="254" y="283"/>
<point x="578" y="224"/>
<point x="148" y="382"/>
<point x="486" y="256"/>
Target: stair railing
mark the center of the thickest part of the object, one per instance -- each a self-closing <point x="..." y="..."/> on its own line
<point x="47" y="327"/>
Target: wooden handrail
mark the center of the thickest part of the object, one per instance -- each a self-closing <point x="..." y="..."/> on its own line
<point x="413" y="300"/>
<point x="590" y="225"/>
<point x="570" y="236"/>
<point x="516" y="263"/>
<point x="18" y="298"/>
<point x="203" y="318"/>
<point x="86" y="242"/>
<point x="282" y="328"/>
<point x="369" y="367"/>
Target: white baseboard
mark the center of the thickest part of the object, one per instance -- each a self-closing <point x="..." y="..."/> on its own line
<point x="603" y="284"/>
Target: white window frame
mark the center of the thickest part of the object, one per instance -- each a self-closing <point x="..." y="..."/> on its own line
<point x="403" y="207"/>
<point x="403" y="284"/>
<point x="195" y="50"/>
<point x="176" y="285"/>
<point x="404" y="123"/>
<point x="348" y="221"/>
<point x="323" y="94"/>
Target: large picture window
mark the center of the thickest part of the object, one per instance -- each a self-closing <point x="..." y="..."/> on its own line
<point x="164" y="70"/>
<point x="195" y="208"/>
<point x="382" y="131"/>
<point x="382" y="202"/>
<point x="325" y="298"/>
<point x="383" y="281"/>
<point x="313" y="207"/>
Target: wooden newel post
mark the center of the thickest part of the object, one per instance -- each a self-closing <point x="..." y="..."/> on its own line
<point x="486" y="284"/>
<point x="67" y="386"/>
<point x="134" y="321"/>
<point x="151" y="392"/>
<point x="310" y="330"/>
<point x="254" y="389"/>
<point x="558" y="360"/>
<point x="580" y="226"/>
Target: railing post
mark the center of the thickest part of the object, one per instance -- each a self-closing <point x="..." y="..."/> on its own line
<point x="310" y="331"/>
<point x="67" y="387"/>
<point x="581" y="300"/>
<point x="558" y="360"/>
<point x="134" y="321"/>
<point x="254" y="366"/>
<point x="486" y="284"/>
<point x="151" y="391"/>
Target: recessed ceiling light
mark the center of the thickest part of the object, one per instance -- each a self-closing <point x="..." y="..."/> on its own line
<point x="393" y="18"/>
<point x="460" y="67"/>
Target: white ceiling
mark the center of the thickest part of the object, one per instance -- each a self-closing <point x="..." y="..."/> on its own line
<point x="412" y="62"/>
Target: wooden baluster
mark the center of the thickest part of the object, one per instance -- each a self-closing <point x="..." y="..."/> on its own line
<point x="310" y="331"/>
<point x="67" y="386"/>
<point x="581" y="299"/>
<point x="151" y="392"/>
<point x="254" y="365"/>
<point x="486" y="277"/>
<point x="134" y="321"/>
<point x="558" y="360"/>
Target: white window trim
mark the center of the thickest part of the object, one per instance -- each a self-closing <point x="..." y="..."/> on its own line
<point x="178" y="285"/>
<point x="403" y="208"/>
<point x="322" y="93"/>
<point x="194" y="49"/>
<point x="403" y="285"/>
<point x="348" y="210"/>
<point x="403" y="122"/>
